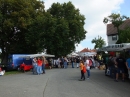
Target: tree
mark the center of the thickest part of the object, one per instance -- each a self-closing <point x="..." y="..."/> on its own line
<point x="35" y="34"/>
<point x="25" y="27"/>
<point x="15" y="18"/>
<point x="99" y="42"/>
<point x="116" y="20"/>
<point x="65" y="26"/>
<point x="124" y="36"/>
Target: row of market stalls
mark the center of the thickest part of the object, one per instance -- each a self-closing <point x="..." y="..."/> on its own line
<point x="84" y="52"/>
<point x="115" y="50"/>
<point x="123" y="47"/>
<point x="109" y="48"/>
<point x="116" y="47"/>
<point x="24" y="62"/>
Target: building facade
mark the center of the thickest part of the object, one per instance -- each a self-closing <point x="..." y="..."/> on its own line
<point x="112" y="34"/>
<point x="87" y="52"/>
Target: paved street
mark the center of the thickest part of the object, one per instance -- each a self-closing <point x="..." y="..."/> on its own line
<point x="62" y="83"/>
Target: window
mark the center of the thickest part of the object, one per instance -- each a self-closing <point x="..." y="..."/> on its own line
<point x="114" y="37"/>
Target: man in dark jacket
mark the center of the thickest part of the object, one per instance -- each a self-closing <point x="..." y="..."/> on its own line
<point x="120" y="63"/>
<point x="77" y="62"/>
<point x="72" y="62"/>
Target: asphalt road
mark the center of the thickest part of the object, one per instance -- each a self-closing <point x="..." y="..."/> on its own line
<point x="62" y="83"/>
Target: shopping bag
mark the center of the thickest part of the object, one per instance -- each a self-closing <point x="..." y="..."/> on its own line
<point x="84" y="69"/>
<point x="108" y="72"/>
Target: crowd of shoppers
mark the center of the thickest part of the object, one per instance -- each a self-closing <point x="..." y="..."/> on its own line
<point x="87" y="63"/>
<point x="39" y="65"/>
<point x="116" y="66"/>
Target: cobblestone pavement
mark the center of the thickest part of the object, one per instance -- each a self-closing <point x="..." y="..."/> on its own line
<point x="62" y="83"/>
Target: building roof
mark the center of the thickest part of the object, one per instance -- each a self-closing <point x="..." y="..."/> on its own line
<point x="113" y="30"/>
<point x="88" y="50"/>
<point x="93" y="50"/>
<point x="85" y="50"/>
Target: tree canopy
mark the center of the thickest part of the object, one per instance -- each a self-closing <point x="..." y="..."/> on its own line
<point x="99" y="42"/>
<point x="116" y="20"/>
<point x="124" y="36"/>
<point x="16" y="17"/>
<point x="65" y="27"/>
<point x="26" y="28"/>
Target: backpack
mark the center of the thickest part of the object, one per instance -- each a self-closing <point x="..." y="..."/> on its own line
<point x="110" y="62"/>
<point x="90" y="62"/>
<point x="84" y="69"/>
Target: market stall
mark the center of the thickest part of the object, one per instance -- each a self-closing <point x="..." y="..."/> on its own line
<point x="25" y="67"/>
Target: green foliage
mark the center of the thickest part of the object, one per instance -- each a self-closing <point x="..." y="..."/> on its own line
<point x="124" y="36"/>
<point x="25" y="27"/>
<point x="99" y="42"/>
<point x="65" y="27"/>
<point x="15" y="18"/>
<point x="35" y="34"/>
<point x="116" y="20"/>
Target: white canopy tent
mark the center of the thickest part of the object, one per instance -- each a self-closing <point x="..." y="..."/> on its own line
<point x="36" y="55"/>
<point x="72" y="55"/>
<point x="89" y="54"/>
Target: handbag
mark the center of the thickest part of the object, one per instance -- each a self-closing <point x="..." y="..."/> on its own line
<point x="84" y="69"/>
<point x="108" y="72"/>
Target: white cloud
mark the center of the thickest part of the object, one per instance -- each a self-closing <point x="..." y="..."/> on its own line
<point x="79" y="47"/>
<point x="94" y="12"/>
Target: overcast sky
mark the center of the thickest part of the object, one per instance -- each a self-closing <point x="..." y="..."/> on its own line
<point x="95" y="11"/>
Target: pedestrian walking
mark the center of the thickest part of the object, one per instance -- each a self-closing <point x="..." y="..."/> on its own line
<point x="81" y="69"/>
<point x="39" y="66"/>
<point x="77" y="62"/>
<point x="43" y="64"/>
<point x="88" y="64"/>
<point x="128" y="66"/>
<point x="34" y="63"/>
<point x="61" y="62"/>
<point x="65" y="62"/>
<point x="120" y="64"/>
<point x="72" y="62"/>
<point x="50" y="63"/>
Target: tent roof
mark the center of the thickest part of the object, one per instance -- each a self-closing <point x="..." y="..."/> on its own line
<point x="115" y="47"/>
<point x="37" y="55"/>
<point x="72" y="54"/>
